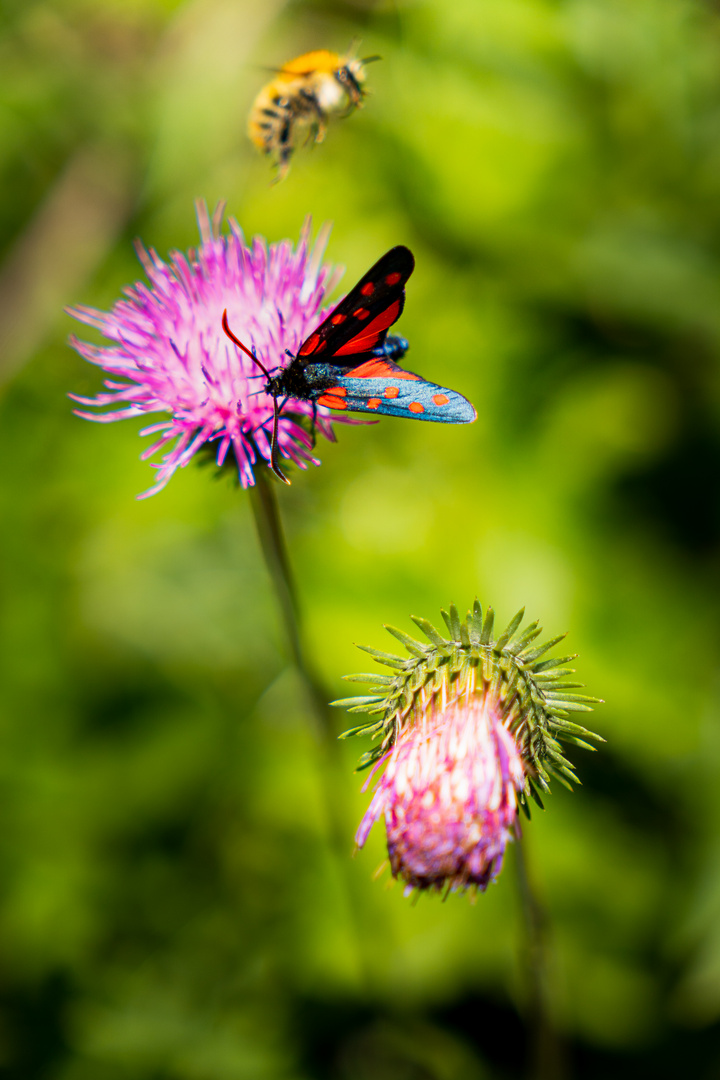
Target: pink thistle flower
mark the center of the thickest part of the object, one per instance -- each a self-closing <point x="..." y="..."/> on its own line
<point x="470" y="727"/>
<point x="449" y="796"/>
<point x="169" y="346"/>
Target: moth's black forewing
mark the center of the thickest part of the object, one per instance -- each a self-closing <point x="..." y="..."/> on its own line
<point x="350" y="335"/>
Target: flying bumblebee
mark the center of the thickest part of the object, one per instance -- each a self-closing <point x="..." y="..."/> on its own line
<point x="302" y="98"/>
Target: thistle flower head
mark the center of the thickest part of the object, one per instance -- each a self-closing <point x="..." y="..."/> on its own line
<point x="468" y="729"/>
<point x="169" y="348"/>
<point x="448" y="796"/>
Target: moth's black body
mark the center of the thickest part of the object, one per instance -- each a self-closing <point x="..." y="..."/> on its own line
<point x="309" y="381"/>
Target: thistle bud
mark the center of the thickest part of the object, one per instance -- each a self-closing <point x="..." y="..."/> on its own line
<point x="468" y="730"/>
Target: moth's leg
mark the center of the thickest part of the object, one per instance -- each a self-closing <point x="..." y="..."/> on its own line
<point x="273" y="448"/>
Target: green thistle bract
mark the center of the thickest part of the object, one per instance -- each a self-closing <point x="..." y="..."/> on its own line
<point x="530" y="695"/>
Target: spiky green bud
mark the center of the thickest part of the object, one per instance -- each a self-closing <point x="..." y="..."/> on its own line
<point x="530" y="694"/>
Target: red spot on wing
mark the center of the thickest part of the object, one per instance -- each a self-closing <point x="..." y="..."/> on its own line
<point x="416" y="407"/>
<point x="391" y="391"/>
<point x="380" y="369"/>
<point x="332" y="401"/>
<point x="310" y="345"/>
<point x="440" y="399"/>
<point x="392" y="279"/>
<point x="362" y="342"/>
<point x="369" y="335"/>
<point x="361" y="313"/>
<point x="373" y="402"/>
<point x="385" y="319"/>
<point x="337" y="319"/>
<point x="368" y="289"/>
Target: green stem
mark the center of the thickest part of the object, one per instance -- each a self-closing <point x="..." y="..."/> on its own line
<point x="545" y="1060"/>
<point x="272" y="543"/>
<point x="266" y="512"/>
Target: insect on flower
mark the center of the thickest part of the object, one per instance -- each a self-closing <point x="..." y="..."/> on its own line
<point x="167" y="352"/>
<point x="303" y="96"/>
<point x="347" y="362"/>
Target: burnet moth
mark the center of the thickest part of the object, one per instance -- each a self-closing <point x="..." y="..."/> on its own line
<point x="347" y="363"/>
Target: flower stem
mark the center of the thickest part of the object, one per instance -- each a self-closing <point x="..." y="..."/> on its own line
<point x="546" y="1060"/>
<point x="332" y="785"/>
<point x="272" y="544"/>
<point x="274" y="548"/>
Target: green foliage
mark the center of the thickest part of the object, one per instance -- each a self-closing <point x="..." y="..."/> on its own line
<point x="532" y="695"/>
<point x="171" y="903"/>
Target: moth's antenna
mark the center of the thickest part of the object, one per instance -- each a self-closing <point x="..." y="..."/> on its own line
<point x="240" y="345"/>
<point x="276" y="412"/>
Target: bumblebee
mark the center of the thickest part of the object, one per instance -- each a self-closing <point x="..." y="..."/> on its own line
<point x="302" y="97"/>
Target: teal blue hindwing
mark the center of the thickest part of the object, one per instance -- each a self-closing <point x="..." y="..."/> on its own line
<point x="413" y="399"/>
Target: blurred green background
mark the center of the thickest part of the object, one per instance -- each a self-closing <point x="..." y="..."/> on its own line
<point x="171" y="906"/>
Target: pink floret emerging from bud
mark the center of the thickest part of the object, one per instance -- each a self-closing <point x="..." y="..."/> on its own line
<point x="169" y="347"/>
<point x="449" y="797"/>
